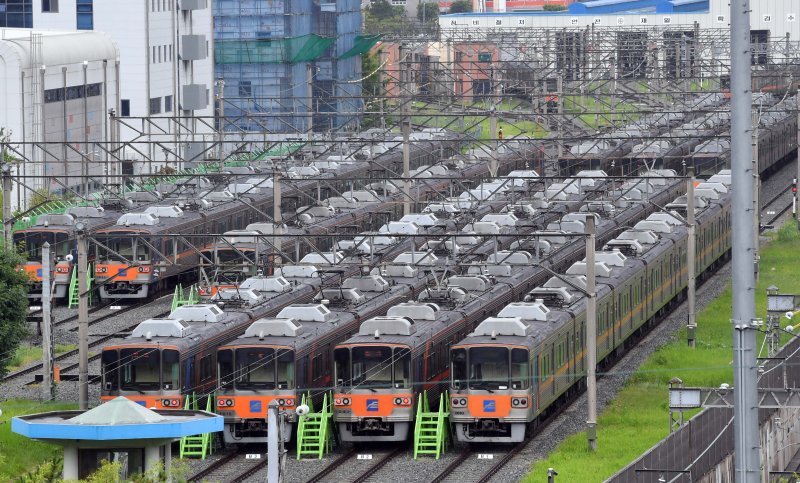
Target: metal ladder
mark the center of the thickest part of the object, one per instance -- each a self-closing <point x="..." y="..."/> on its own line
<point x="314" y="430"/>
<point x="431" y="429"/>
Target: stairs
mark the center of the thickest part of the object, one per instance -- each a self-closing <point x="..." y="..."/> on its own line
<point x="431" y="429"/>
<point x="314" y="430"/>
<point x="74" y="290"/>
<point x="198" y="445"/>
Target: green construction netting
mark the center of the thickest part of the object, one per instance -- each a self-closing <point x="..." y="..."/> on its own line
<point x="362" y="44"/>
<point x="290" y="50"/>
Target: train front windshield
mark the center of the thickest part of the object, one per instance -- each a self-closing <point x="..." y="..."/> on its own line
<point x="140" y="369"/>
<point x="373" y="367"/>
<point x="31" y="243"/>
<point x="489" y="368"/>
<point x="122" y="248"/>
<point x="256" y="368"/>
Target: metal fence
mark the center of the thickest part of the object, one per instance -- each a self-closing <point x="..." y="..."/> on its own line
<point x="706" y="440"/>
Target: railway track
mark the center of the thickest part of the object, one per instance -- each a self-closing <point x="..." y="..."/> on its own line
<point x="776" y="207"/>
<point x="97" y="342"/>
<point x="342" y="467"/>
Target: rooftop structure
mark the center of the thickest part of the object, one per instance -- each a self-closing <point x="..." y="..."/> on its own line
<point x="118" y="426"/>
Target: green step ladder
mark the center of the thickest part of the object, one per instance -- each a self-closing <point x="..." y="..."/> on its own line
<point x="315" y="429"/>
<point x="198" y="445"/>
<point x="431" y="428"/>
<point x="74" y="291"/>
<point x="181" y="297"/>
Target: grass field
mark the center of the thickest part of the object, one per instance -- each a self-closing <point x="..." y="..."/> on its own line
<point x="19" y="454"/>
<point x="26" y="354"/>
<point x="638" y="418"/>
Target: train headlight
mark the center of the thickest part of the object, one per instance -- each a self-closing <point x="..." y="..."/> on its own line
<point x="281" y="402"/>
<point x="337" y="401"/>
<point x="398" y="401"/>
<point x="406" y="401"/>
<point x="346" y="401"/>
<point x="458" y="402"/>
<point x="225" y="402"/>
<point x="519" y="402"/>
<point x="289" y="402"/>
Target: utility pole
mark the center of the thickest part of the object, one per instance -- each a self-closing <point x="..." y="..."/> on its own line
<point x="5" y="173"/>
<point x="691" y="324"/>
<point x="591" y="336"/>
<point x="47" y="343"/>
<point x="756" y="194"/>
<point x="795" y="211"/>
<point x="405" y="78"/>
<point x="221" y="118"/>
<point x="273" y="464"/>
<point x="310" y="99"/>
<point x="83" y="319"/>
<point x="745" y="372"/>
<point x="277" y="219"/>
<point x="85" y="160"/>
<point x="493" y="127"/>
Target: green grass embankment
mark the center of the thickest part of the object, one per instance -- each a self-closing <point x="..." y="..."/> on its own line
<point x="638" y="418"/>
<point x="18" y="454"/>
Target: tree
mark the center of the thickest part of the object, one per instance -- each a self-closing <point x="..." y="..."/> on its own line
<point x="461" y="6"/>
<point x="554" y="7"/>
<point x="13" y="305"/>
<point x="428" y="12"/>
<point x="382" y="10"/>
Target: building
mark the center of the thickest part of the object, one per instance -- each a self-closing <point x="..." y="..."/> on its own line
<point x="278" y="59"/>
<point x="509" y="5"/>
<point x="774" y="18"/>
<point x="166" y="69"/>
<point x="57" y="89"/>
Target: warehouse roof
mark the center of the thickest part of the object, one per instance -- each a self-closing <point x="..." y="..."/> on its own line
<point x="58" y="48"/>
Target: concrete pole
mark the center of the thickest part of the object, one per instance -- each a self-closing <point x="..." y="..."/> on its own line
<point x="310" y="99"/>
<point x="493" y="135"/>
<point x="406" y="166"/>
<point x="83" y="323"/>
<point x="221" y="117"/>
<point x="591" y="337"/>
<point x="5" y="173"/>
<point x="85" y="160"/>
<point x="47" y="343"/>
<point x="691" y="271"/>
<point x="746" y="430"/>
<point x="756" y="196"/>
<point x="795" y="211"/>
<point x="168" y="461"/>
<point x="277" y="218"/>
<point x="560" y="117"/>
<point x="273" y="455"/>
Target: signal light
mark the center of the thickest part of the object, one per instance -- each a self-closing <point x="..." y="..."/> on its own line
<point x="794" y="185"/>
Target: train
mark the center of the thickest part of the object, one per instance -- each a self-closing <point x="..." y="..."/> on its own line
<point x="515" y="367"/>
<point x="698" y="141"/>
<point x="363" y="412"/>
<point x="258" y="297"/>
<point x="221" y="195"/>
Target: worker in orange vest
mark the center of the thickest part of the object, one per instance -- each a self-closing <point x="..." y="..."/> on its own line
<point x="500" y="133"/>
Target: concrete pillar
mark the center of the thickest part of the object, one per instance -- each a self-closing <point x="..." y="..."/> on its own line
<point x="70" y="463"/>
<point x="152" y="456"/>
<point x="168" y="460"/>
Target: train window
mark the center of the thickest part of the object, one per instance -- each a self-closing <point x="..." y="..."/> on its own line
<point x="205" y="368"/>
<point x="402" y="368"/>
<point x="255" y="368"/>
<point x="519" y="369"/>
<point x="140" y="369"/>
<point x="372" y="366"/>
<point x="458" y="371"/>
<point x="286" y="369"/>
<point x="110" y="370"/>
<point x="225" y="365"/>
<point x="488" y="368"/>
<point x="170" y="368"/>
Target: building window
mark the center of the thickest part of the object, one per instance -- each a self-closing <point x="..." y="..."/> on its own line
<point x="167" y="103"/>
<point x="85" y="12"/>
<point x="155" y="105"/>
<point x="245" y="89"/>
<point x="125" y="108"/>
<point x="49" y="6"/>
<point x="16" y="13"/>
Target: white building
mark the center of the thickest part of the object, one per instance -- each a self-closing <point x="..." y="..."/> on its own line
<point x="166" y="65"/>
<point x="780" y="18"/>
<point x="55" y="91"/>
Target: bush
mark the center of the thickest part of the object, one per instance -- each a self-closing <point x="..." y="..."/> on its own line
<point x="13" y="305"/>
<point x="551" y="7"/>
<point x="461" y="6"/>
